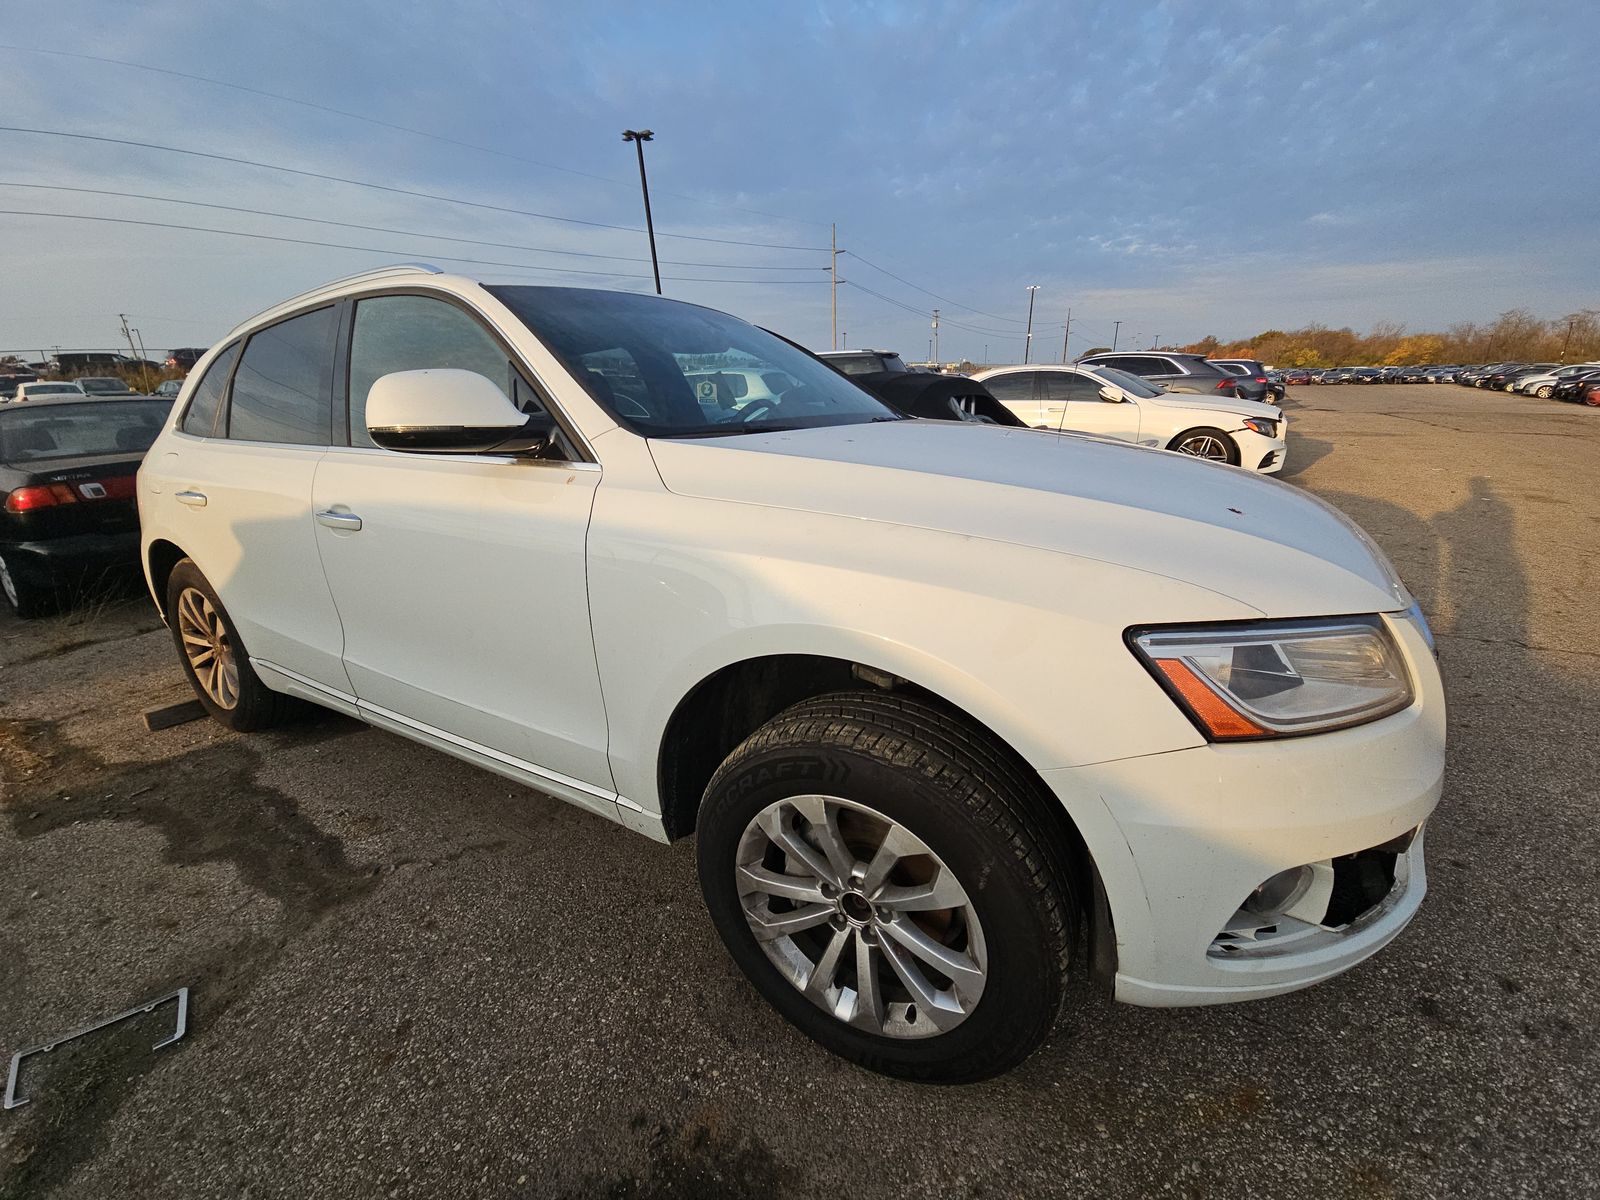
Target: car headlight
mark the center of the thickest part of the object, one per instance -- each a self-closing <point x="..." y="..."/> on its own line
<point x="1272" y="679"/>
<point x="1262" y="426"/>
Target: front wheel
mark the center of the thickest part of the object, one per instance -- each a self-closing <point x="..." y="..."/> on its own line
<point x="1207" y="443"/>
<point x="883" y="875"/>
<point x="1545" y="391"/>
<point x="214" y="658"/>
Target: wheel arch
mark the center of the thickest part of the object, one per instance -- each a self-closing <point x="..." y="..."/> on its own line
<point x="160" y="558"/>
<point x="733" y="701"/>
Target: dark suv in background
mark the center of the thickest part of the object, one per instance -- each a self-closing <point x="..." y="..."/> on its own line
<point x="1180" y="373"/>
<point x="1255" y="377"/>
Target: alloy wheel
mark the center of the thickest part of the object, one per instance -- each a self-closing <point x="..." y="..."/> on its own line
<point x="208" y="647"/>
<point x="861" y="917"/>
<point x="1204" y="445"/>
<point x="9" y="585"/>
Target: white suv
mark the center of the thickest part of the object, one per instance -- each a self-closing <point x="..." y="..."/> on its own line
<point x="1112" y="403"/>
<point x="938" y="698"/>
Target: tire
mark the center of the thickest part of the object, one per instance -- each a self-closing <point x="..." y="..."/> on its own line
<point x="861" y="763"/>
<point x="1545" y="391"/>
<point x="235" y="698"/>
<point x="1220" y="447"/>
<point x="26" y="598"/>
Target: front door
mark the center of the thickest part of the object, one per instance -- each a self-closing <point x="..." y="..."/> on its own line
<point x="1084" y="410"/>
<point x="460" y="579"/>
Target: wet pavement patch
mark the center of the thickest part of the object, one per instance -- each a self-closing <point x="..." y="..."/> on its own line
<point x="209" y="809"/>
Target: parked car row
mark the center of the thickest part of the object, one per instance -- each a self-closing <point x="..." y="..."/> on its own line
<point x="1575" y="382"/>
<point x="1179" y="402"/>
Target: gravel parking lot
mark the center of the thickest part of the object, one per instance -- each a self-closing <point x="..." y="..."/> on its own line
<point x="411" y="978"/>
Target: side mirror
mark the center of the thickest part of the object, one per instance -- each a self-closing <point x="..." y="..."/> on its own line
<point x="449" y="411"/>
<point x="1110" y="394"/>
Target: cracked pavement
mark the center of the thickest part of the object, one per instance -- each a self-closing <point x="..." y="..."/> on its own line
<point x="411" y="978"/>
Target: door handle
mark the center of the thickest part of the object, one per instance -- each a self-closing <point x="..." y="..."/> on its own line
<point x="192" y="499"/>
<point x="338" y="520"/>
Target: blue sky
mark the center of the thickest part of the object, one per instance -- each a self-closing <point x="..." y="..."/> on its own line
<point x="1185" y="168"/>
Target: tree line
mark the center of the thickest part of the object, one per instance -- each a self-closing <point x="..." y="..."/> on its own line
<point x="1515" y="336"/>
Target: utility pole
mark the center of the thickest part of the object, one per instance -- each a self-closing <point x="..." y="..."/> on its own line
<point x="1155" y="342"/>
<point x="936" y="337"/>
<point x="833" y="269"/>
<point x="639" y="137"/>
<point x="986" y="354"/>
<point x="1567" y="341"/>
<point x="1115" y="333"/>
<point x="1067" y="337"/>
<point x="845" y="339"/>
<point x="132" y="352"/>
<point x="1027" y="345"/>
<point x="144" y="360"/>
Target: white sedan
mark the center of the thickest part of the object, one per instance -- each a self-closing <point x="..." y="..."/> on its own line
<point x="1110" y="403"/>
<point x="39" y="389"/>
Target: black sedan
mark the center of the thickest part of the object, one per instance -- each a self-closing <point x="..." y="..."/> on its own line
<point x="67" y="509"/>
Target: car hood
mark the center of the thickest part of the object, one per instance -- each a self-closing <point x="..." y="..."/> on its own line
<point x="1264" y="544"/>
<point x="1225" y="404"/>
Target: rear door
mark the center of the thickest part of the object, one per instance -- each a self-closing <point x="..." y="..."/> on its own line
<point x="235" y="489"/>
<point x="1021" y="392"/>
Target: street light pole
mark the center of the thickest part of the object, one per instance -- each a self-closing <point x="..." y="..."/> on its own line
<point x="833" y="275"/>
<point x="1115" y="333"/>
<point x="639" y="137"/>
<point x="1027" y="346"/>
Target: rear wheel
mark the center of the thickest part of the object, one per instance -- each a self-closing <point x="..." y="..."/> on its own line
<point x="1545" y="391"/>
<point x="215" y="659"/>
<point x="26" y="598"/>
<point x="1207" y="443"/>
<point x="885" y="877"/>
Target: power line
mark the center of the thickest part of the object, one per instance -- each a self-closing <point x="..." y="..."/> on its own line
<point x="261" y="212"/>
<point x="398" y="191"/>
<point x="926" y="292"/>
<point x="922" y="313"/>
<point x="269" y="237"/>
<point x="353" y="116"/>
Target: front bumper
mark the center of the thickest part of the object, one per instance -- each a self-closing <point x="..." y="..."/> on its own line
<point x="1263" y="455"/>
<point x="1182" y="839"/>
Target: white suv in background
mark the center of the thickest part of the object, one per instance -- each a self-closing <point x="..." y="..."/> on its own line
<point x="936" y="698"/>
<point x="1110" y="403"/>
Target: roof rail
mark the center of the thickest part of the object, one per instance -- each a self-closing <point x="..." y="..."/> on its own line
<point x="376" y="273"/>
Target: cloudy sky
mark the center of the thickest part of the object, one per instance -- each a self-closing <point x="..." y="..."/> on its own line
<point x="1184" y="168"/>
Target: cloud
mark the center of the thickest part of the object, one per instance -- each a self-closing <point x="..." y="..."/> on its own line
<point x="1183" y="168"/>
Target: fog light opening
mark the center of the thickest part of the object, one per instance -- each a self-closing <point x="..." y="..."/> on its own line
<point x="1280" y="893"/>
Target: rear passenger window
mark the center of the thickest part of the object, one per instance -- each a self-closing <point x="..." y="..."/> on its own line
<point x="1014" y="388"/>
<point x="200" y="418"/>
<point x="415" y="333"/>
<point x="281" y="389"/>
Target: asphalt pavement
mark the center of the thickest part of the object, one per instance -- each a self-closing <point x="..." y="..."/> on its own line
<point x="411" y="978"/>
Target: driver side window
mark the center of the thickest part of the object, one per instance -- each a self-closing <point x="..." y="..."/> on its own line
<point x="1072" y="388"/>
<point x="412" y="333"/>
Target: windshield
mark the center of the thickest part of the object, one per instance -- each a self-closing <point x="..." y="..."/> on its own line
<point x="1131" y="384"/>
<point x="663" y="368"/>
<point x="30" y="433"/>
<point x="52" y="389"/>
